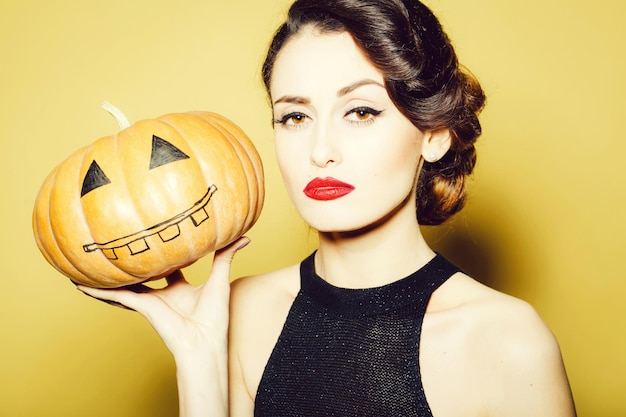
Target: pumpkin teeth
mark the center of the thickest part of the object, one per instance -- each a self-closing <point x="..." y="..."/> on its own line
<point x="110" y="254"/>
<point x="199" y="217"/>
<point x="170" y="233"/>
<point x="138" y="246"/>
<point x="167" y="230"/>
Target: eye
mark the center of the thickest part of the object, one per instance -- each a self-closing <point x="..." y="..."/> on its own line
<point x="164" y="152"/>
<point x="361" y="115"/>
<point x="94" y="178"/>
<point x="293" y="119"/>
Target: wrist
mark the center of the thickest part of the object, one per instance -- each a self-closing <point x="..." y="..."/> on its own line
<point x="202" y="377"/>
<point x="198" y="344"/>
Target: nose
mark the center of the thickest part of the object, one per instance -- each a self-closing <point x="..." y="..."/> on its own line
<point x="324" y="150"/>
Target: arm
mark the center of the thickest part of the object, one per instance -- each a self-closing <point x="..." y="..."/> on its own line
<point x="203" y="383"/>
<point x="244" y="310"/>
<point x="193" y="323"/>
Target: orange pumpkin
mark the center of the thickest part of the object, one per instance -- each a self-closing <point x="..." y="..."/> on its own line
<point x="151" y="199"/>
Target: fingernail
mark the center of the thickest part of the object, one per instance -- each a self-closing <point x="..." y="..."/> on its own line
<point x="244" y="244"/>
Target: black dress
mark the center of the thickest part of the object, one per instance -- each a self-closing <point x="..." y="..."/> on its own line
<point x="351" y="352"/>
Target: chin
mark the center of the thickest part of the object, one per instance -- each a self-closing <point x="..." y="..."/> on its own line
<point x="347" y="225"/>
<point x="358" y="222"/>
<point x="332" y="223"/>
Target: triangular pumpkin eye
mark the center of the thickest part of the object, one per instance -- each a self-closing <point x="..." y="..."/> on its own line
<point x="94" y="178"/>
<point x="164" y="152"/>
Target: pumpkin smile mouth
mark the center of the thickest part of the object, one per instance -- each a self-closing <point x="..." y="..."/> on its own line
<point x="167" y="230"/>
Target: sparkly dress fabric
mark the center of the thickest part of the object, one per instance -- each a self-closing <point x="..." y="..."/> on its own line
<point x="351" y="352"/>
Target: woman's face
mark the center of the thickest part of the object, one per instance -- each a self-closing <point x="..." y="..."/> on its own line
<point x="348" y="157"/>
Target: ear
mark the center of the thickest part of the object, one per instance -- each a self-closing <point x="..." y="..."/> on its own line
<point x="435" y="144"/>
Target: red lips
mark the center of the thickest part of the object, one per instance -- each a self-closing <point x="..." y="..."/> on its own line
<point x="327" y="189"/>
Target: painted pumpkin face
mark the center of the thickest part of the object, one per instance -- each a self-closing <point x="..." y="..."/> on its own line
<point x="152" y="199"/>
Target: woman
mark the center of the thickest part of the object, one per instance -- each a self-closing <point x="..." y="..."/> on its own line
<point x="374" y="122"/>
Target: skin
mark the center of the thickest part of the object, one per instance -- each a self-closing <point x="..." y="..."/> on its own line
<point x="488" y="351"/>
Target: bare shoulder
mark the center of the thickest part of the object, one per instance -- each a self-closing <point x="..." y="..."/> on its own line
<point x="491" y="312"/>
<point x="508" y="354"/>
<point x="264" y="298"/>
<point x="270" y="282"/>
<point x="496" y="322"/>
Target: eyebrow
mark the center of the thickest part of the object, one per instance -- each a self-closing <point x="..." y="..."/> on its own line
<point x="356" y="85"/>
<point x="342" y="92"/>
<point x="293" y="100"/>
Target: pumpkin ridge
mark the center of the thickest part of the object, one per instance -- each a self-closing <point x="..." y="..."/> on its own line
<point x="252" y="156"/>
<point x="135" y="199"/>
<point x="217" y="225"/>
<point x="247" y="164"/>
<point x="193" y="154"/>
<point x="118" y="276"/>
<point x="67" y="264"/>
<point x="56" y="227"/>
<point x="109" y="278"/>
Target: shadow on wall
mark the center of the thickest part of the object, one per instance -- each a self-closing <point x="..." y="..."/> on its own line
<point x="474" y="246"/>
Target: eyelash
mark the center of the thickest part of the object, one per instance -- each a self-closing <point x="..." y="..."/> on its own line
<point x="372" y="114"/>
<point x="298" y="119"/>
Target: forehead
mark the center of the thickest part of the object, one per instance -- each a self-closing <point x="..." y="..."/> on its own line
<point x="312" y="61"/>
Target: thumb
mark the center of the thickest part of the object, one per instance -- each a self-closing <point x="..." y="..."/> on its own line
<point x="224" y="257"/>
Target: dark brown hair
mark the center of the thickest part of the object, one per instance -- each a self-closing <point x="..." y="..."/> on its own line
<point x="406" y="43"/>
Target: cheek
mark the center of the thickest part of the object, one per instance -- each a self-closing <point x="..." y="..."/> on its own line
<point x="289" y="161"/>
<point x="395" y="159"/>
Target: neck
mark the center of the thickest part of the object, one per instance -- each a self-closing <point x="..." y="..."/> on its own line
<point x="377" y="256"/>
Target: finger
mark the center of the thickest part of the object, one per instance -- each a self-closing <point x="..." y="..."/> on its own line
<point x="136" y="299"/>
<point x="109" y="302"/>
<point x="128" y="298"/>
<point x="224" y="257"/>
<point x="219" y="279"/>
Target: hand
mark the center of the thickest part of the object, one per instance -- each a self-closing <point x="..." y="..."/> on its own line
<point x="188" y="318"/>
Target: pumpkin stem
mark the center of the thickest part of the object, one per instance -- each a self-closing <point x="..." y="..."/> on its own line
<point x="122" y="121"/>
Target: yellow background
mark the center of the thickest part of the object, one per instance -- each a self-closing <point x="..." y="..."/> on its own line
<point x="544" y="222"/>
